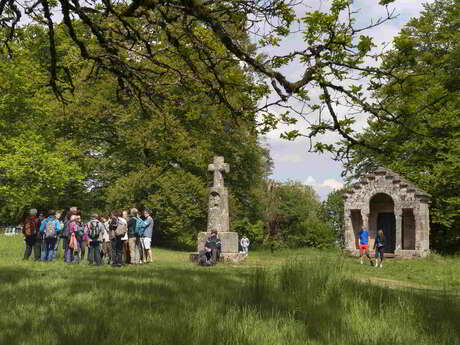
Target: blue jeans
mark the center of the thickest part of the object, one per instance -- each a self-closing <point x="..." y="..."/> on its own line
<point x="81" y="245"/>
<point x="43" y="250"/>
<point x="65" y="245"/>
<point x="56" y="247"/>
<point x="68" y="255"/>
<point x="50" y="245"/>
<point x="94" y="254"/>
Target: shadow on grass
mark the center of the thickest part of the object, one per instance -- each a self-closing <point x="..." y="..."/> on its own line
<point x="300" y="303"/>
<point x="108" y="306"/>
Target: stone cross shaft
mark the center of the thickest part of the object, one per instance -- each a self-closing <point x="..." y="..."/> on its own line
<point x="218" y="167"/>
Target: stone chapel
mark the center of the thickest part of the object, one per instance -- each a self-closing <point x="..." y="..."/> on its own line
<point x="384" y="200"/>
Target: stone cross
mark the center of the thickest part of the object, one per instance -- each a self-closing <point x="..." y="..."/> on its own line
<point x="218" y="167"/>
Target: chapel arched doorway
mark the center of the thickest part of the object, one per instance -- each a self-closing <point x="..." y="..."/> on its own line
<point x="382" y="216"/>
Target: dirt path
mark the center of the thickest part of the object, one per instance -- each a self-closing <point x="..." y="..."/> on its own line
<point x="394" y="283"/>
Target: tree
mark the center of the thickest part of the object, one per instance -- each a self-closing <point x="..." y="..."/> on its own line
<point x="291" y="214"/>
<point x="129" y="154"/>
<point x="332" y="212"/>
<point x="422" y="141"/>
<point x="202" y="35"/>
<point x="36" y="167"/>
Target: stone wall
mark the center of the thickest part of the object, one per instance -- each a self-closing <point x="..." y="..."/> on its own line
<point x="408" y="229"/>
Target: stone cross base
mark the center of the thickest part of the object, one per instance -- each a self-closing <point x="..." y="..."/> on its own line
<point x="229" y="241"/>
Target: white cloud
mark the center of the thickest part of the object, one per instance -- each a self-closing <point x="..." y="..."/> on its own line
<point x="332" y="184"/>
<point x="323" y="188"/>
<point x="310" y="181"/>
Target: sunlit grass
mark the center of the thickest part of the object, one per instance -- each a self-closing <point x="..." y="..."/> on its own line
<point x="287" y="297"/>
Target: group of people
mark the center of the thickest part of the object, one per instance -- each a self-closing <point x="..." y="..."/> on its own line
<point x="379" y="247"/>
<point x="119" y="238"/>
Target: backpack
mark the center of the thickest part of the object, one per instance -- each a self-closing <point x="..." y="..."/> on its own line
<point x="65" y="230"/>
<point x="113" y="224"/>
<point x="94" y="229"/>
<point x="30" y="227"/>
<point x="80" y="231"/>
<point x="140" y="227"/>
<point x="121" y="229"/>
<point x="50" y="229"/>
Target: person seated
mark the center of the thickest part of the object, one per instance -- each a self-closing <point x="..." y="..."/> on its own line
<point x="212" y="249"/>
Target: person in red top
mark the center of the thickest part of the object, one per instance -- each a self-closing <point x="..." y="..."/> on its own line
<point x="30" y="230"/>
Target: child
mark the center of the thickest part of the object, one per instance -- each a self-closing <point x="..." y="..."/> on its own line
<point x="379" y="247"/>
<point x="364" y="245"/>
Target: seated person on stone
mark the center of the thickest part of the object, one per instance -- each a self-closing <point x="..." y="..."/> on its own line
<point x="212" y="250"/>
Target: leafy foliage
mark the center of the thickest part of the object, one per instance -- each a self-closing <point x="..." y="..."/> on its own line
<point x="103" y="149"/>
<point x="151" y="46"/>
<point x="36" y="166"/>
<point x="333" y="213"/>
<point x="420" y="138"/>
<point x="291" y="216"/>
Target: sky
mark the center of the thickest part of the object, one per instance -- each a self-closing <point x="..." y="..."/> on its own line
<point x="292" y="161"/>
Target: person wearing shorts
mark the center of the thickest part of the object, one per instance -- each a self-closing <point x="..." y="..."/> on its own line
<point x="147" y="236"/>
<point x="379" y="247"/>
<point x="364" y="245"/>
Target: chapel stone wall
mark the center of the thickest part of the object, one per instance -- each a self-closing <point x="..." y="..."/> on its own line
<point x="363" y="202"/>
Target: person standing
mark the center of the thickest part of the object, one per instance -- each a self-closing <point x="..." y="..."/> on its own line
<point x="56" y="251"/>
<point x="105" y="238"/>
<point x="95" y="228"/>
<point x="40" y="244"/>
<point x="30" y="230"/>
<point x="117" y="230"/>
<point x="244" y="242"/>
<point x="379" y="247"/>
<point x="124" y="239"/>
<point x="50" y="228"/>
<point x="364" y="245"/>
<point x="146" y="238"/>
<point x="80" y="239"/>
<point x="133" y="237"/>
<point x="72" y="252"/>
<point x="65" y="233"/>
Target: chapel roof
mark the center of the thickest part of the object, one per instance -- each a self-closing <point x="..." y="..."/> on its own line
<point x="390" y="174"/>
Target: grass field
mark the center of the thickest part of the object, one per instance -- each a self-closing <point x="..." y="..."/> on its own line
<point x="289" y="297"/>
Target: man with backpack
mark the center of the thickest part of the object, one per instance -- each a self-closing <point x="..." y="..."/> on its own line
<point x="135" y="230"/>
<point x="50" y="229"/>
<point x="30" y="230"/>
<point x="118" y="228"/>
<point x="95" y="228"/>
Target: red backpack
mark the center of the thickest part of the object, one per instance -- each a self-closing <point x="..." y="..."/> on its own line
<point x="30" y="227"/>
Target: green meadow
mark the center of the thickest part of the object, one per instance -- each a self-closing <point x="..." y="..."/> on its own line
<point x="286" y="297"/>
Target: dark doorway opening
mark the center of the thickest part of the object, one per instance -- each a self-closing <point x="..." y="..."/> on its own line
<point x="386" y="221"/>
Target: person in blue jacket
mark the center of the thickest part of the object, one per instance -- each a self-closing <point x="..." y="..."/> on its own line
<point x="50" y="229"/>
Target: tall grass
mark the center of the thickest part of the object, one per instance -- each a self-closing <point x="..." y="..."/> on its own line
<point x="323" y="306"/>
<point x="307" y="300"/>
